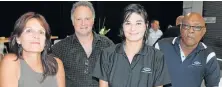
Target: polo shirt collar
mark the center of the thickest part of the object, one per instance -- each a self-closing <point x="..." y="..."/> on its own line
<point x="120" y="49"/>
<point x="201" y="45"/>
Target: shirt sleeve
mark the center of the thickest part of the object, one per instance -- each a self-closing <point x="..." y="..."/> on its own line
<point x="57" y="50"/>
<point x="212" y="71"/>
<point x="162" y="74"/>
<point x="102" y="69"/>
<point x="161" y="33"/>
<point x="110" y="42"/>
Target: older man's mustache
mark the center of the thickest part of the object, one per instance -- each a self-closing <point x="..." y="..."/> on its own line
<point x="191" y="36"/>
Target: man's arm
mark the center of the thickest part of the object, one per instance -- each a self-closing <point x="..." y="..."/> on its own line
<point x="212" y="71"/>
<point x="57" y="50"/>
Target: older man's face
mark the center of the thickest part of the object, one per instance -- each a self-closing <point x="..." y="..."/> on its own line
<point x="192" y="30"/>
<point x="83" y="20"/>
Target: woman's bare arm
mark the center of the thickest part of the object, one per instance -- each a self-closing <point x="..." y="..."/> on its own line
<point x="60" y="76"/>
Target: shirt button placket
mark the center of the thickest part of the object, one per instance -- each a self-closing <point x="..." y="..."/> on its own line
<point x="86" y="71"/>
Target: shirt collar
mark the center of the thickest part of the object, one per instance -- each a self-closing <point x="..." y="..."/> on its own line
<point x="120" y="49"/>
<point x="152" y="30"/>
<point x="96" y="36"/>
<point x="201" y="45"/>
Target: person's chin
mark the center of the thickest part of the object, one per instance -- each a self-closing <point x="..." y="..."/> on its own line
<point x="84" y="33"/>
<point x="134" y="39"/>
<point x="35" y="51"/>
<point x="191" y="44"/>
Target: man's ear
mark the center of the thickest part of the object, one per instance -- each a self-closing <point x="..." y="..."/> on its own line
<point x="180" y="29"/>
<point x="204" y="31"/>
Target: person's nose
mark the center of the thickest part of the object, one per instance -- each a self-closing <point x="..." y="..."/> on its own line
<point x="191" y="30"/>
<point x="133" y="27"/>
<point x="36" y="34"/>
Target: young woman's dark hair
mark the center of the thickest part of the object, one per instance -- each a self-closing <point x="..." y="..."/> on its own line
<point x="134" y="8"/>
<point x="49" y="64"/>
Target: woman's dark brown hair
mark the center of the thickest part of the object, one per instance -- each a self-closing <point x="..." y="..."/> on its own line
<point x="49" y="64"/>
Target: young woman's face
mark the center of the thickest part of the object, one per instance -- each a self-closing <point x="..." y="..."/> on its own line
<point x="134" y="27"/>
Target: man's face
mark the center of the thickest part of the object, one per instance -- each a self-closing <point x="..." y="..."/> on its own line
<point x="192" y="30"/>
<point x="83" y="20"/>
<point x="155" y="25"/>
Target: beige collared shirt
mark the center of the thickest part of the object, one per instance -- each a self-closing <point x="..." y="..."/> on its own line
<point x="153" y="36"/>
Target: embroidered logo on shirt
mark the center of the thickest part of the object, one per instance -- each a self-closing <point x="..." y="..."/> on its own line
<point x="196" y="63"/>
<point x="146" y="70"/>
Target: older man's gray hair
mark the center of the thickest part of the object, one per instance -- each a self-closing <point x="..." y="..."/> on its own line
<point x="82" y="3"/>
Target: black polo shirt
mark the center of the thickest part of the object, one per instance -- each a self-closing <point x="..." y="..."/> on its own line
<point x="200" y="64"/>
<point x="147" y="69"/>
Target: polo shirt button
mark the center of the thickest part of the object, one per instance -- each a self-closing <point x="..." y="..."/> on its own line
<point x="86" y="62"/>
<point x="86" y="71"/>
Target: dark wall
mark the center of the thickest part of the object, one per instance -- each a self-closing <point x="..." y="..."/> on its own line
<point x="213" y="37"/>
<point x="165" y="12"/>
<point x="57" y="14"/>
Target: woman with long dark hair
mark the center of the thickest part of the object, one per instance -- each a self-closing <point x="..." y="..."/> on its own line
<point x="28" y="64"/>
<point x="132" y="63"/>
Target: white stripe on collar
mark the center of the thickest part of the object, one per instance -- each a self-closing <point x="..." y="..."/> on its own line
<point x="157" y="46"/>
<point x="210" y="56"/>
<point x="174" y="40"/>
<point x="204" y="45"/>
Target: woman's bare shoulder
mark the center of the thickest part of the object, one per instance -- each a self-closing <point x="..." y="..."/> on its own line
<point x="9" y="60"/>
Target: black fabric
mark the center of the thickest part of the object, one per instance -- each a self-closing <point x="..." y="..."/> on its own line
<point x="170" y="32"/>
<point x="78" y="67"/>
<point x="147" y="69"/>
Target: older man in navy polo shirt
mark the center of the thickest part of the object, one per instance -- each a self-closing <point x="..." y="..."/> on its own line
<point x="189" y="60"/>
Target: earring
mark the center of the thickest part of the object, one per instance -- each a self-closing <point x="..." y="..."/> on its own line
<point x="19" y="46"/>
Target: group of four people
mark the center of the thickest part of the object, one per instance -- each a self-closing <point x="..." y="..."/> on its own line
<point x="92" y="60"/>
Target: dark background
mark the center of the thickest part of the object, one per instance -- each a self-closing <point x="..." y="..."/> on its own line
<point x="57" y="14"/>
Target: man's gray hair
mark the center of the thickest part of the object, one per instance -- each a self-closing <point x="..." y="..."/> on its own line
<point x="82" y="3"/>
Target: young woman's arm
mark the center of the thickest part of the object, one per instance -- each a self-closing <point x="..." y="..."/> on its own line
<point x="60" y="76"/>
<point x="9" y="71"/>
<point x="159" y="86"/>
<point x="103" y="83"/>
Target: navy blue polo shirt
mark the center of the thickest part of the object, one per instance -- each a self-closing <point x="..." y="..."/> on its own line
<point x="201" y="64"/>
<point x="147" y="69"/>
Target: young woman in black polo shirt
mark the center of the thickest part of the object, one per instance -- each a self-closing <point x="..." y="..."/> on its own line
<point x="132" y="63"/>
